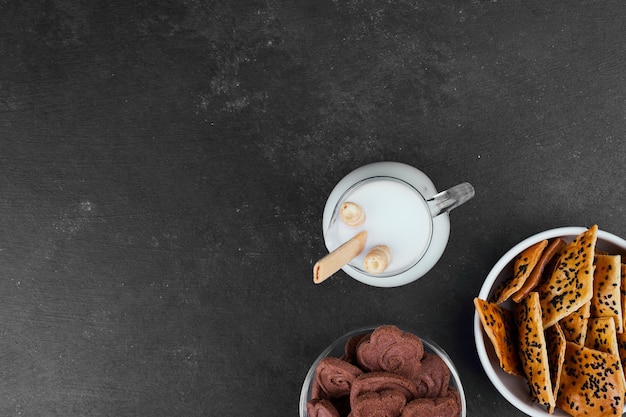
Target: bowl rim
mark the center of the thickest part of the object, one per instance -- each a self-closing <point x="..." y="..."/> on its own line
<point x="530" y="408"/>
<point x="341" y="340"/>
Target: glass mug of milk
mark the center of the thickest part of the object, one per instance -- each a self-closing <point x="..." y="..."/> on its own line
<point x="403" y="212"/>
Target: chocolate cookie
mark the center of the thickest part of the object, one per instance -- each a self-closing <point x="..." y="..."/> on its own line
<point x="321" y="408"/>
<point x="387" y="403"/>
<point x="434" y="377"/>
<point x="432" y="407"/>
<point x="382" y="381"/>
<point x="352" y="345"/>
<point x="392" y="350"/>
<point x="334" y="378"/>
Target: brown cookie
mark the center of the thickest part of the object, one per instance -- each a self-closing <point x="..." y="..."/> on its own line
<point x="351" y="346"/>
<point x="321" y="408"/>
<point x="388" y="403"/>
<point x="392" y="350"/>
<point x="432" y="407"/>
<point x="454" y="394"/>
<point x="334" y="378"/>
<point x="434" y="377"/>
<point x="379" y="381"/>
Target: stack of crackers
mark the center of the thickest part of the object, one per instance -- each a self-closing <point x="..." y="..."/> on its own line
<point x="560" y="322"/>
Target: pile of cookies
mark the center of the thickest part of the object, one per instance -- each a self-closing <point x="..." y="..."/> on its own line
<point x="385" y="373"/>
<point x="559" y="322"/>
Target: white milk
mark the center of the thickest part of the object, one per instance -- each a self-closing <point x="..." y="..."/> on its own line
<point x="395" y="215"/>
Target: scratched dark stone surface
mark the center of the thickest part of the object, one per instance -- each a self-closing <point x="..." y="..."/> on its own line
<point x="164" y="166"/>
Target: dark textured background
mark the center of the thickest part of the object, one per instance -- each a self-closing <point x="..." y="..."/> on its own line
<point x="164" y="166"/>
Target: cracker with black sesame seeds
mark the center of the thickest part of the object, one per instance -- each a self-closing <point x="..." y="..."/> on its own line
<point x="533" y="350"/>
<point x="498" y="324"/>
<point x="623" y="293"/>
<point x="544" y="266"/>
<point x="606" y="300"/>
<point x="591" y="384"/>
<point x="523" y="265"/>
<point x="555" y="342"/>
<point x="601" y="335"/>
<point x="574" y="325"/>
<point x="621" y="347"/>
<point x="571" y="284"/>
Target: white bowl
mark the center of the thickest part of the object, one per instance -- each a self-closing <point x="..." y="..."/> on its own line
<point x="515" y="389"/>
<point x="337" y="348"/>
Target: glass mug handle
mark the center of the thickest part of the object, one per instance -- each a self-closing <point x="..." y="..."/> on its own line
<point x="450" y="198"/>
